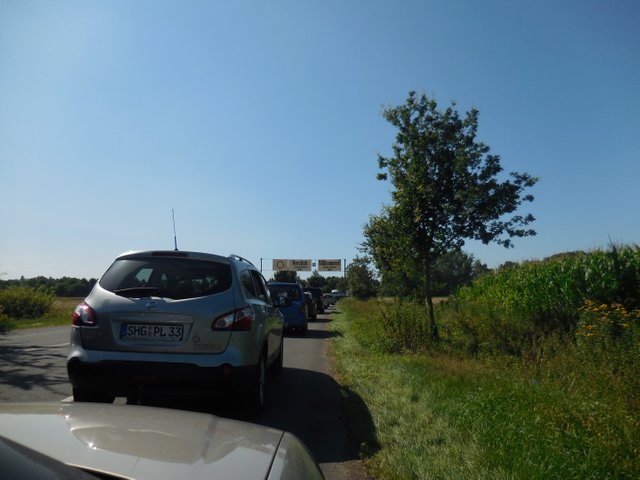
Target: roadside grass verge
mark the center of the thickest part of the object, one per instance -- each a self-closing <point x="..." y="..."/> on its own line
<point x="443" y="416"/>
<point x="58" y="315"/>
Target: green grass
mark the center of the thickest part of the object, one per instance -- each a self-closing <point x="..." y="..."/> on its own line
<point x="60" y="314"/>
<point x="438" y="416"/>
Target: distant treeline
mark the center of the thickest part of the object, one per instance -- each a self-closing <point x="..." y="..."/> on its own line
<point x="61" y="287"/>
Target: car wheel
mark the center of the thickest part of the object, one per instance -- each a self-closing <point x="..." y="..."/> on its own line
<point x="256" y="394"/>
<point x="87" y="396"/>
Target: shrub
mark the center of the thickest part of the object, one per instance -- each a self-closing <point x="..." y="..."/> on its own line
<point x="404" y="326"/>
<point x="25" y="302"/>
<point x="608" y="338"/>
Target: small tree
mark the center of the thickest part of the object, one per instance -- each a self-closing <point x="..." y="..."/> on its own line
<point x="360" y="279"/>
<point x="445" y="190"/>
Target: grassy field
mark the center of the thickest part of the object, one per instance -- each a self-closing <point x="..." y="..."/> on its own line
<point x="437" y="415"/>
<point x="60" y="314"/>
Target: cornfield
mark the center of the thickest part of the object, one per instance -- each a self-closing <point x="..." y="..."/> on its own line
<point x="549" y="294"/>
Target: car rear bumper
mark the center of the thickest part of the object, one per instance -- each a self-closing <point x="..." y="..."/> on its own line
<point x="295" y="320"/>
<point x="123" y="378"/>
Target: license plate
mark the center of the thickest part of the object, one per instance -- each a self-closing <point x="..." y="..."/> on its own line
<point x="139" y="331"/>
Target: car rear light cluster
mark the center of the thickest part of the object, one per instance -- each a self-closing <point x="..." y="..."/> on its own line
<point x="239" y="320"/>
<point x="84" y="315"/>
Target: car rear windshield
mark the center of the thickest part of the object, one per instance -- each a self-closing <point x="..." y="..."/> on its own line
<point x="290" y="291"/>
<point x="316" y="292"/>
<point x="176" y="278"/>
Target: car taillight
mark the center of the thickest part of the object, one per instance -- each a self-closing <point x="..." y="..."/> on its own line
<point x="239" y="320"/>
<point x="84" y="315"/>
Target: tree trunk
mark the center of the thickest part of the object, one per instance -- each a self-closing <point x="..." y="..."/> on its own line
<point x="428" y="299"/>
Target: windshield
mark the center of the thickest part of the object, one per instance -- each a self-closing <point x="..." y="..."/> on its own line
<point x="176" y="278"/>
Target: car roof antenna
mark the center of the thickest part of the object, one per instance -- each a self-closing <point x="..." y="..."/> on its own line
<point x="175" y="238"/>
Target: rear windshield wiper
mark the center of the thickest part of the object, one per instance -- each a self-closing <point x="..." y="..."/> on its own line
<point x="137" y="292"/>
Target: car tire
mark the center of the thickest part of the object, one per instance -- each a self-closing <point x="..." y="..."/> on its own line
<point x="257" y="391"/>
<point x="94" y="397"/>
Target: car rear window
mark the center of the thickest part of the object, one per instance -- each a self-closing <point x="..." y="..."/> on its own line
<point x="290" y="291"/>
<point x="316" y="292"/>
<point x="176" y="278"/>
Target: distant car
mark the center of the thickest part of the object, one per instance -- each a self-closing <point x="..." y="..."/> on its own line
<point x="89" y="441"/>
<point x="317" y="296"/>
<point x="336" y="295"/>
<point x="175" y="322"/>
<point x="312" y="310"/>
<point x="327" y="299"/>
<point x="292" y="305"/>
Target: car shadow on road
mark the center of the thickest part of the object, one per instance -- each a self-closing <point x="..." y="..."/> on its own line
<point x="321" y="320"/>
<point x="312" y="406"/>
<point x="317" y="334"/>
<point x="309" y="404"/>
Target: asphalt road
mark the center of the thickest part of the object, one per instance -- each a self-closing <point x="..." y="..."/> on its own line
<point x="32" y="365"/>
<point x="304" y="399"/>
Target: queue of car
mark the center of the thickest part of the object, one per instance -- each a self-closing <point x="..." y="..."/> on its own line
<point x="165" y="322"/>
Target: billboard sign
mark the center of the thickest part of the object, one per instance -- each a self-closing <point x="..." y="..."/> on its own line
<point x="330" y="265"/>
<point x="300" y="265"/>
<point x="283" y="265"/>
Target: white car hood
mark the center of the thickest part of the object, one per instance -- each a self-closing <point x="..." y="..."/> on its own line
<point x="142" y="442"/>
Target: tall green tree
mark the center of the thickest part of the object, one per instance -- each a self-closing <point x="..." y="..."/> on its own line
<point x="446" y="188"/>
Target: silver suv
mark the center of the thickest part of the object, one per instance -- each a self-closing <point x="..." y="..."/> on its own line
<point x="175" y="322"/>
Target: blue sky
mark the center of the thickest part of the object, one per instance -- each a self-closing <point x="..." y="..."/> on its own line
<point x="259" y="122"/>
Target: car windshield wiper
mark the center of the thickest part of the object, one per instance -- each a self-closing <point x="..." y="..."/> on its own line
<point x="137" y="292"/>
